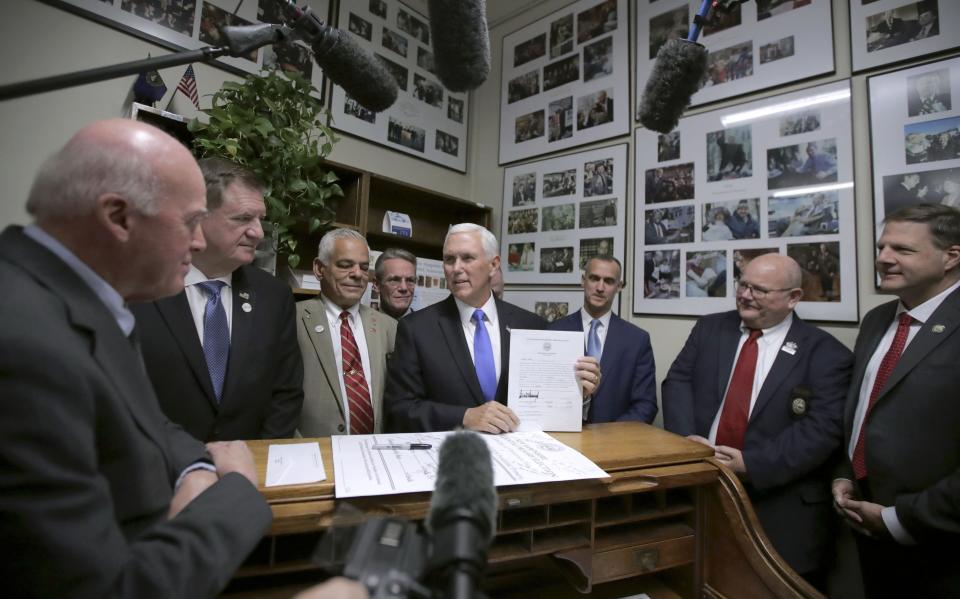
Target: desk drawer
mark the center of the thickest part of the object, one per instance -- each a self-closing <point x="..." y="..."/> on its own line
<point x="641" y="559"/>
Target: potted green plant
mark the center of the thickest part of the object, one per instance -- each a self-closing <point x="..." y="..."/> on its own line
<point x="272" y="124"/>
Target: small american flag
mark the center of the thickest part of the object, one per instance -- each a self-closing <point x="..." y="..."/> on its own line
<point x="188" y="86"/>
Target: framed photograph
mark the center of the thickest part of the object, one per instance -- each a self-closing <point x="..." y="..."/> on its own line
<point x="754" y="46"/>
<point x="427" y="120"/>
<point x="192" y="24"/>
<point x="915" y="137"/>
<point x="560" y="212"/>
<point x="887" y="31"/>
<point x="774" y="175"/>
<point x="551" y="305"/>
<point x="564" y="81"/>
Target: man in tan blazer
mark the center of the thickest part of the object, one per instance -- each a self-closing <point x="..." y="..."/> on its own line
<point x="344" y="345"/>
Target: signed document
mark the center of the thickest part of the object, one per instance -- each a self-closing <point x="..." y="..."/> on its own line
<point x="543" y="389"/>
<point x="518" y="459"/>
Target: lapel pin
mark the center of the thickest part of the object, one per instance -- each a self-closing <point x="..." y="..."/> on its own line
<point x="790" y="347"/>
<point x="246" y="307"/>
<point x="244" y="295"/>
<point x="938" y="328"/>
<point x="799" y="406"/>
<point x="318" y="328"/>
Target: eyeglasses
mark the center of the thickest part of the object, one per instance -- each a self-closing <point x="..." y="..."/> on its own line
<point x="756" y="292"/>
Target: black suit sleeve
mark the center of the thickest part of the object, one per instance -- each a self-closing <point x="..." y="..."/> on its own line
<point x="283" y="410"/>
<point x="677" y="389"/>
<point x="643" y="388"/>
<point x="810" y="441"/>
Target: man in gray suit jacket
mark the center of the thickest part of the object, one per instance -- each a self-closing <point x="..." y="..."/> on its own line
<point x="344" y="344"/>
<point x="900" y="487"/>
<point x="100" y="495"/>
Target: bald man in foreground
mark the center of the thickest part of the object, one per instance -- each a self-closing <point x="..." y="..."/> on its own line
<point x="766" y="391"/>
<point x="100" y="495"/>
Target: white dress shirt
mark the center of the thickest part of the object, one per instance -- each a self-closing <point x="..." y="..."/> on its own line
<point x="601" y="330"/>
<point x="197" y="298"/>
<point x="356" y="327"/>
<point x="920" y="315"/>
<point x="768" y="346"/>
<point x="492" y="323"/>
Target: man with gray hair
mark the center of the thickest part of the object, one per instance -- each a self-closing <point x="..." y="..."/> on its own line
<point x="344" y="344"/>
<point x="395" y="279"/>
<point x="450" y="367"/>
<point x="222" y="354"/>
<point x="100" y="494"/>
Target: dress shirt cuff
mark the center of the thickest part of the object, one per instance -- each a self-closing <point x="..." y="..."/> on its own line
<point x="198" y="465"/>
<point x="896" y="529"/>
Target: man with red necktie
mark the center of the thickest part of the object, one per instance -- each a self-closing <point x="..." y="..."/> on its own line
<point x="765" y="390"/>
<point x="344" y="344"/>
<point x="900" y="488"/>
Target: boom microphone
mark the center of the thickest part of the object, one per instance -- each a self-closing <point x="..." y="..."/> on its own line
<point x="678" y="73"/>
<point x="462" y="516"/>
<point x="461" y="43"/>
<point x="346" y="63"/>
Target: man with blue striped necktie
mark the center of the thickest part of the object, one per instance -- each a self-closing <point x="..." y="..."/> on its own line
<point x="450" y="365"/>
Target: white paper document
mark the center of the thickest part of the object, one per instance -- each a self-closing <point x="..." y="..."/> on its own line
<point x="518" y="458"/>
<point x="542" y="388"/>
<point x="294" y="464"/>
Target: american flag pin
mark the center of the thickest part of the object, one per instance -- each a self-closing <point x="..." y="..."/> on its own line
<point x="244" y="295"/>
<point x="938" y="328"/>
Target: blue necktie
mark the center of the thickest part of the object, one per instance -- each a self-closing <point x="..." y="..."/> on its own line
<point x="216" y="335"/>
<point x="483" y="358"/>
<point x="594" y="349"/>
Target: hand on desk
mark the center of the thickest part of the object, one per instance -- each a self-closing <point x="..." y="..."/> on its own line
<point x="233" y="456"/>
<point x="587" y="370"/>
<point x="335" y="588"/>
<point x="732" y="458"/>
<point x="863" y="516"/>
<point x="491" y="417"/>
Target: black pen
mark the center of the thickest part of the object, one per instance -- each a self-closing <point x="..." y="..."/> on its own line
<point x="404" y="446"/>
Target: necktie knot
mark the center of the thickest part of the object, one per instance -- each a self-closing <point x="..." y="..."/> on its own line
<point x="594" y="349"/>
<point x="478" y="316"/>
<point x="344" y="316"/>
<point x="754" y="334"/>
<point x="905" y="320"/>
<point x="211" y="288"/>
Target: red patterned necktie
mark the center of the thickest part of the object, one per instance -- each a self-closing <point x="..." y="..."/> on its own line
<point x="736" y="406"/>
<point x="358" y="394"/>
<point x="887" y="365"/>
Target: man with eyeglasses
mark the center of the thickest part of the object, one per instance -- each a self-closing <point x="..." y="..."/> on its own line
<point x="395" y="280"/>
<point x="766" y="391"/>
<point x="344" y="344"/>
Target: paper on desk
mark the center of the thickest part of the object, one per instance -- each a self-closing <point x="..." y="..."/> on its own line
<point x="542" y="387"/>
<point x="518" y="458"/>
<point x="294" y="464"/>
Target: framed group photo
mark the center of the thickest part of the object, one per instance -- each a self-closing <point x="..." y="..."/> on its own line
<point x="770" y="176"/>
<point x="915" y="136"/>
<point x="193" y="24"/>
<point x="427" y="121"/>
<point x="551" y="305"/>
<point x="752" y="46"/>
<point x="560" y="212"/>
<point x="888" y="31"/>
<point x="565" y="80"/>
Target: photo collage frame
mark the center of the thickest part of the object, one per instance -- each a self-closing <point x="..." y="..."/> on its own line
<point x="888" y="31"/>
<point x="427" y="121"/>
<point x="565" y="80"/>
<point x="774" y="175"/>
<point x="915" y="136"/>
<point x="754" y="46"/>
<point x="560" y="212"/>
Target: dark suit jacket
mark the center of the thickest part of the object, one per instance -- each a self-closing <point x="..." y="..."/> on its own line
<point x="431" y="380"/>
<point x="628" y="387"/>
<point x="263" y="389"/>
<point x="913" y="431"/>
<point x="89" y="461"/>
<point x="788" y="456"/>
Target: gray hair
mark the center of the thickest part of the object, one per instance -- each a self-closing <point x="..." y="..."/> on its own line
<point x="219" y="173"/>
<point x="325" y="249"/>
<point x="390" y="254"/>
<point x="69" y="182"/>
<point x="487" y="239"/>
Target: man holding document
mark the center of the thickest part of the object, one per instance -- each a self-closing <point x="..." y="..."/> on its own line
<point x="451" y="361"/>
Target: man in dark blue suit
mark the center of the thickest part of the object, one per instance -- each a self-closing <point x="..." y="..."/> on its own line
<point x="766" y="390"/>
<point x="628" y="390"/>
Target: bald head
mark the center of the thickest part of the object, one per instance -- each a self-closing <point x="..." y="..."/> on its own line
<point x="769" y="290"/>
<point x="116" y="156"/>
